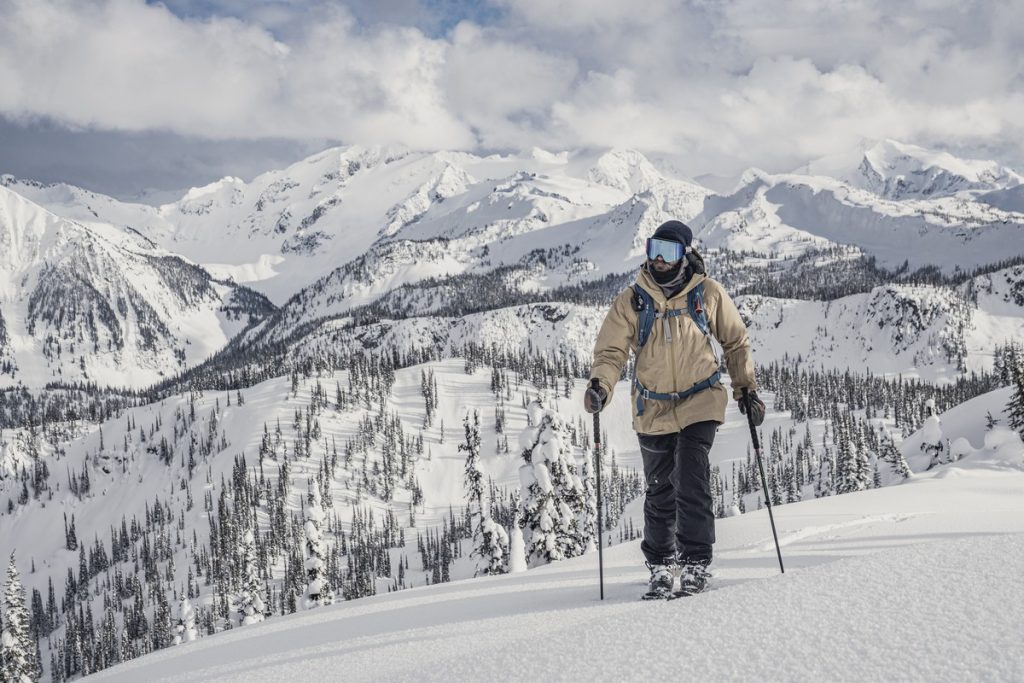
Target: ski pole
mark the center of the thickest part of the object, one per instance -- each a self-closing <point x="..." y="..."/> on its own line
<point x="764" y="482"/>
<point x="595" y="386"/>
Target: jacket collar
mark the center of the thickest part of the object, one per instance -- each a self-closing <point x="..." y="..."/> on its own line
<point x="645" y="280"/>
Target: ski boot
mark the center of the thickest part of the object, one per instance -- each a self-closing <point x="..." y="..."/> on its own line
<point x="663" y="578"/>
<point x="693" y="577"/>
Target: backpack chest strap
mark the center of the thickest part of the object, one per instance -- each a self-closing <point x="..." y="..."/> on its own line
<point x="665" y="316"/>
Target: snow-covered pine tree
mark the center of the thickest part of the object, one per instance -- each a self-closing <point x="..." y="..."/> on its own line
<point x="862" y="475"/>
<point x="893" y="457"/>
<point x="185" y="627"/>
<point x="586" y="520"/>
<point x="18" y="663"/>
<point x="490" y="540"/>
<point x="548" y="490"/>
<point x="516" y="544"/>
<point x="492" y="550"/>
<point x="932" y="442"/>
<point x="249" y="604"/>
<point x="318" y="589"/>
<point x="1015" y="406"/>
<point x="846" y="459"/>
<point x="824" y="485"/>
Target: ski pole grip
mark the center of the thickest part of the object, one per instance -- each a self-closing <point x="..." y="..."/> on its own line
<point x="750" y="418"/>
<point x="595" y="389"/>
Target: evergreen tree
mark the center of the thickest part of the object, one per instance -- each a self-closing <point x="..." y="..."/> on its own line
<point x="18" y="662"/>
<point x="318" y="588"/>
<point x="862" y="475"/>
<point x="490" y="540"/>
<point x="587" y="517"/>
<point x="932" y="442"/>
<point x="516" y="545"/>
<point x="185" y="628"/>
<point x="893" y="457"/>
<point x="249" y="604"/>
<point x="1015" y="406"/>
<point x="847" y="466"/>
<point x="549" y="490"/>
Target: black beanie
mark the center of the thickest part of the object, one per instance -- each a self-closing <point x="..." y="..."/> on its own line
<point x="677" y="231"/>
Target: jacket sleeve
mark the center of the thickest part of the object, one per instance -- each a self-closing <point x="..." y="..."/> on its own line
<point x="730" y="331"/>
<point x="614" y="342"/>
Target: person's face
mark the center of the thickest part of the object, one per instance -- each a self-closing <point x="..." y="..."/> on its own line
<point x="659" y="265"/>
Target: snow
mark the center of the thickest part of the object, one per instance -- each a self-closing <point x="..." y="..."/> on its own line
<point x="790" y="213"/>
<point x="914" y="581"/>
<point x="136" y="298"/>
<point x="919" y="581"/>
<point x="876" y="582"/>
<point x="898" y="169"/>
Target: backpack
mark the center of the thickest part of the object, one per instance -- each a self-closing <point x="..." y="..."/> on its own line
<point x="647" y="313"/>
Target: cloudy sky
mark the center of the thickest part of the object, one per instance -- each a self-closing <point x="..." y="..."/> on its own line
<point x="127" y="95"/>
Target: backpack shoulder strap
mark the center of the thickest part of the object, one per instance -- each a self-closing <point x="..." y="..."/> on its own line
<point x="643" y="304"/>
<point x="695" y="302"/>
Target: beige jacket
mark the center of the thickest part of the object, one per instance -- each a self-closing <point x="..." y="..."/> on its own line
<point x="666" y="366"/>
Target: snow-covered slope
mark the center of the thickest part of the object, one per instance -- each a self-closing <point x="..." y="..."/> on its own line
<point x="934" y="333"/>
<point x="287" y="228"/>
<point x="362" y="225"/>
<point x="892" y="569"/>
<point x="791" y="214"/>
<point x="899" y="329"/>
<point x="756" y="626"/>
<point x="899" y="171"/>
<point x="91" y="302"/>
<point x="1010" y="199"/>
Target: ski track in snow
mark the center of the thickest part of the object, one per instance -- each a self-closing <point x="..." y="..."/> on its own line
<point x="829" y="530"/>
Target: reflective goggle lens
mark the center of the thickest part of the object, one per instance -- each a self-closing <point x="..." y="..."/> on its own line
<point x="669" y="251"/>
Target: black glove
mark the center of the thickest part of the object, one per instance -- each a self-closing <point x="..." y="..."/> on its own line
<point x="757" y="408"/>
<point x="593" y="400"/>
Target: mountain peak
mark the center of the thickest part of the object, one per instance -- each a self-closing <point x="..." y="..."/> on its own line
<point x="214" y="188"/>
<point x="898" y="170"/>
<point x="625" y="169"/>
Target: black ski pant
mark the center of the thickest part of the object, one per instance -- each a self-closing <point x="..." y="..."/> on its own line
<point x="679" y="519"/>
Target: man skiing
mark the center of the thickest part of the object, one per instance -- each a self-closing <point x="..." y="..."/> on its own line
<point x="667" y="318"/>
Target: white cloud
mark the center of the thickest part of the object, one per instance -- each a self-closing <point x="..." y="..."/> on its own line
<point x="125" y="65"/>
<point x="722" y="85"/>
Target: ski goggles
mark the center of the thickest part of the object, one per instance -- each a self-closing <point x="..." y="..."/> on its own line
<point x="669" y="251"/>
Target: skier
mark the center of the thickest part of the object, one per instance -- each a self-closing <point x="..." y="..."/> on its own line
<point x="667" y="318"/>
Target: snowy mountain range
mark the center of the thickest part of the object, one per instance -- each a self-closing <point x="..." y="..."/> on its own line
<point x="349" y="227"/>
<point x="321" y="337"/>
